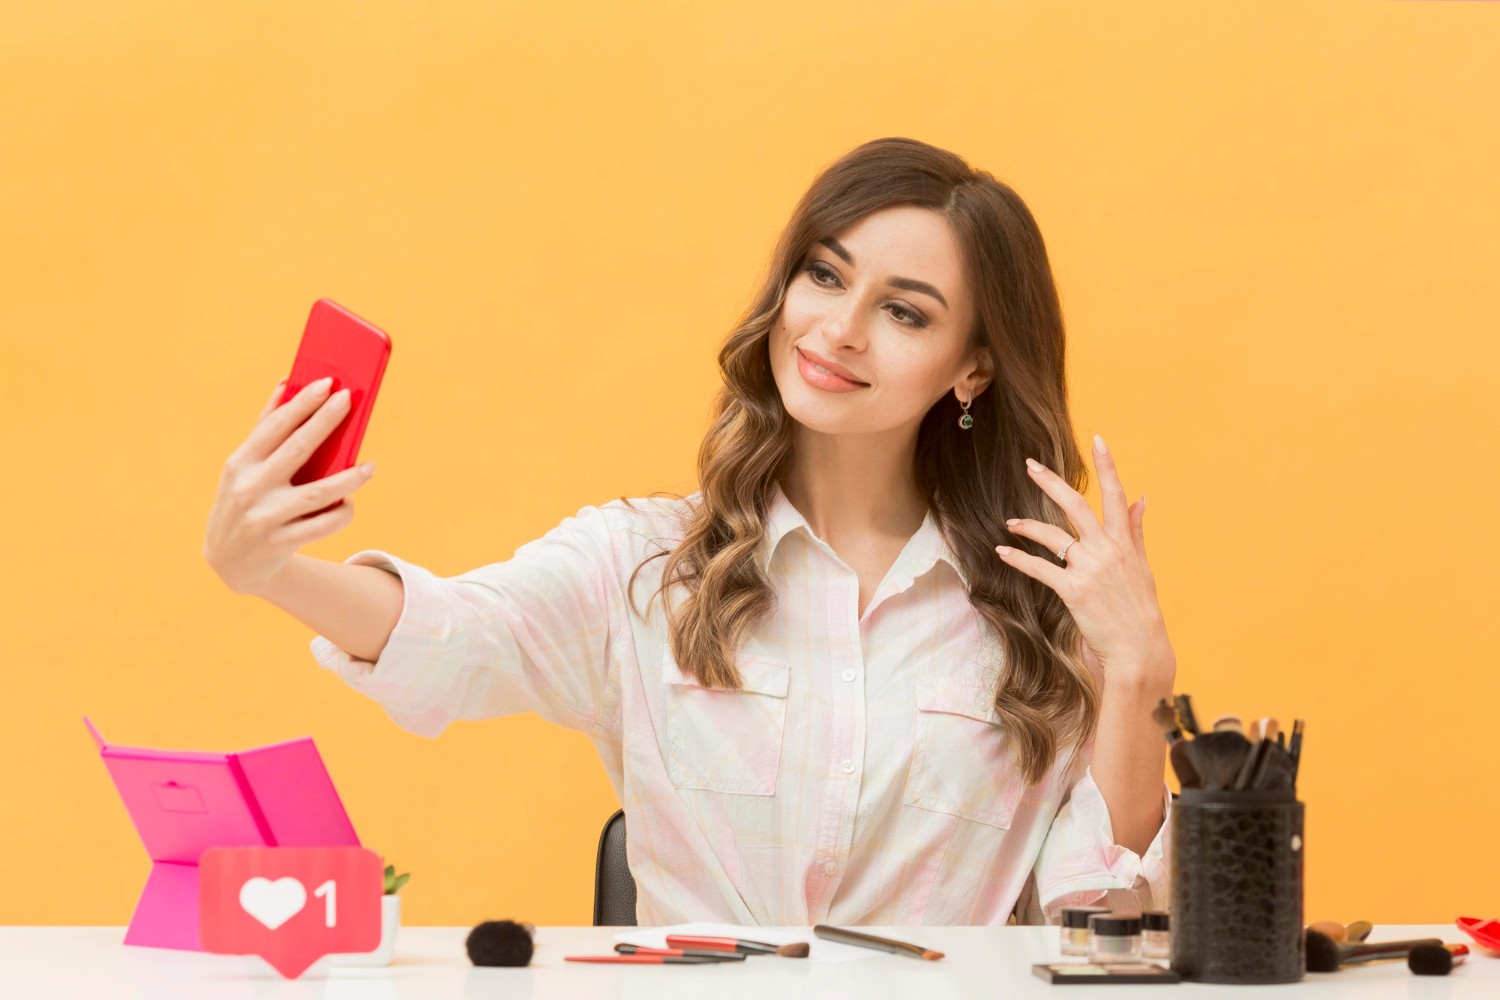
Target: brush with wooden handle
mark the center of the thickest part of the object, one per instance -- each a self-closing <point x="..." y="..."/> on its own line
<point x="845" y="936"/>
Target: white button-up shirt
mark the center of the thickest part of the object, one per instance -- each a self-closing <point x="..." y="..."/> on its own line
<point x="860" y="777"/>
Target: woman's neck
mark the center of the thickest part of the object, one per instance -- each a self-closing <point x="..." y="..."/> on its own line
<point x="850" y="487"/>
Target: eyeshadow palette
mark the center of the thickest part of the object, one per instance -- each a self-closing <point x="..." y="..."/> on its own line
<point x="1107" y="974"/>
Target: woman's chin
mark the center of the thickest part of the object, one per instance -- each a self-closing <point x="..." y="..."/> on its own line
<point x="831" y="424"/>
<point x="826" y="412"/>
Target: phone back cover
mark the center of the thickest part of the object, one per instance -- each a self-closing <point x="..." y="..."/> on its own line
<point x="338" y="343"/>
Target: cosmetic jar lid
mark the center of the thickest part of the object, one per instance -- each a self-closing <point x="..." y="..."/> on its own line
<point x="1078" y="916"/>
<point x="1114" y="925"/>
<point x="1155" y="920"/>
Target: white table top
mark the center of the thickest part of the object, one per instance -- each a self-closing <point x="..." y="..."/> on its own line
<point x="430" y="963"/>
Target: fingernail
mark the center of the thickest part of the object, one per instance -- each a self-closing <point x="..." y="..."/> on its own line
<point x="1100" y="446"/>
<point x="1012" y="520"/>
<point x="322" y="384"/>
<point x="1033" y="465"/>
<point x="367" y="468"/>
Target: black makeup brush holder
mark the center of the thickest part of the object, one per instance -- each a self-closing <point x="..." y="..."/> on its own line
<point x="1236" y="862"/>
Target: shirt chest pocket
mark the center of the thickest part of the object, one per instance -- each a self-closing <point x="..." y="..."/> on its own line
<point x="726" y="741"/>
<point x="960" y="762"/>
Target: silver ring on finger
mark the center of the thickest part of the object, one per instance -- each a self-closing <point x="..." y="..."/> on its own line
<point x="1062" y="555"/>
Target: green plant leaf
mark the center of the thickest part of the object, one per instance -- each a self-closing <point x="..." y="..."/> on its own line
<point x="400" y="881"/>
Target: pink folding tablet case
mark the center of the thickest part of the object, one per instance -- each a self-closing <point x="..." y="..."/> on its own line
<point x="183" y="802"/>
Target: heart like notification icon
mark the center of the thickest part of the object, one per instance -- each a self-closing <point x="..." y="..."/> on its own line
<point x="273" y="903"/>
<point x="290" y="905"/>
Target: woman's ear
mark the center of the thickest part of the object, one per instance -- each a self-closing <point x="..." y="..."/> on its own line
<point x="981" y="370"/>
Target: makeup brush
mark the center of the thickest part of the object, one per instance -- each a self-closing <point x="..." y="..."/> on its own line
<point x="1357" y="931"/>
<point x="1377" y="951"/>
<point x="657" y="959"/>
<point x="1275" y="770"/>
<point x="1266" y="729"/>
<point x="1294" y="748"/>
<point x="639" y="949"/>
<point x="845" y="936"/>
<point x="1166" y="718"/>
<point x="797" y="949"/>
<point x="1435" y="960"/>
<point x="1229" y="722"/>
<point x="1331" y="929"/>
<point x="1184" y="705"/>
<point x="1252" y="763"/>
<point x="1218" y="757"/>
<point x="1326" y="955"/>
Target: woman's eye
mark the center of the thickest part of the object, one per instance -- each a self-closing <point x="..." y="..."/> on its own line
<point x="916" y="320"/>
<point x="818" y="270"/>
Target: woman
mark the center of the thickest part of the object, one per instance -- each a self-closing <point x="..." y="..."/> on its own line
<point x="850" y="706"/>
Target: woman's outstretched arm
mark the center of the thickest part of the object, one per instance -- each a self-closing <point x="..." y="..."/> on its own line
<point x="355" y="606"/>
<point x="532" y="633"/>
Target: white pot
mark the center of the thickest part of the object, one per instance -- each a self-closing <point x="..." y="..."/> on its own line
<point x="390" y="919"/>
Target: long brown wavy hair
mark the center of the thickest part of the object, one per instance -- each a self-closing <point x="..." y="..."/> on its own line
<point x="972" y="480"/>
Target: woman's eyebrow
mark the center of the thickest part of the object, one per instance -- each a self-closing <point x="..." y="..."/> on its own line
<point x="909" y="284"/>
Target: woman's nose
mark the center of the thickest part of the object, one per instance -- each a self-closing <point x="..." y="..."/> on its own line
<point x="844" y="327"/>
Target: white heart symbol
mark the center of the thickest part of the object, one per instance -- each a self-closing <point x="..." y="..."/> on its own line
<point x="273" y="903"/>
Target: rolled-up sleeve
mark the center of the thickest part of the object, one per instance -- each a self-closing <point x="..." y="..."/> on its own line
<point x="532" y="633"/>
<point x="1080" y="864"/>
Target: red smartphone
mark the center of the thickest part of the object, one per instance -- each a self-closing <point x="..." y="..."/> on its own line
<point x="354" y="352"/>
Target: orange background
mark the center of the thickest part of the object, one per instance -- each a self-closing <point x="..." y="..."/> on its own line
<point x="1274" y="227"/>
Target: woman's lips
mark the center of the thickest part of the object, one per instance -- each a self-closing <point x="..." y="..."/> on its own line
<point x="818" y="376"/>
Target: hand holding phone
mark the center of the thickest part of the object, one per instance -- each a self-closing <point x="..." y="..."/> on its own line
<point x="286" y="485"/>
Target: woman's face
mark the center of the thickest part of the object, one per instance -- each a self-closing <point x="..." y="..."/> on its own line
<point x="884" y="302"/>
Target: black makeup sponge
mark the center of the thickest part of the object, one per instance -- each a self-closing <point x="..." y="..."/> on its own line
<point x="500" y="942"/>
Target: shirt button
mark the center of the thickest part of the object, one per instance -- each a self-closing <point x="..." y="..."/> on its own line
<point x="830" y="868"/>
<point x="847" y="767"/>
<point x="848" y="675"/>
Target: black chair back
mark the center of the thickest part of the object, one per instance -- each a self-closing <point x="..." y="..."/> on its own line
<point x="614" y="886"/>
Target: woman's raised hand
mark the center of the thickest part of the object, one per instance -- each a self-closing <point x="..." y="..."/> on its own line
<point x="1105" y="579"/>
<point x="256" y="525"/>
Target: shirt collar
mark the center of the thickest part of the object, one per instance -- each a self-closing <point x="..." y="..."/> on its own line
<point x="921" y="553"/>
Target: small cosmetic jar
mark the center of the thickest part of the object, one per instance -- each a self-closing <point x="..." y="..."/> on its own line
<point x="1075" y="928"/>
<point x="1156" y="938"/>
<point x="1114" y="937"/>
